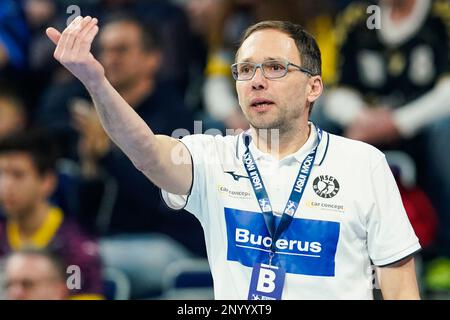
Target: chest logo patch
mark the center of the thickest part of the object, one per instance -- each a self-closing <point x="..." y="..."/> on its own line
<point x="326" y="186"/>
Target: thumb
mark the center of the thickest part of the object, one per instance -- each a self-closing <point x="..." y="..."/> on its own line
<point x="53" y="34"/>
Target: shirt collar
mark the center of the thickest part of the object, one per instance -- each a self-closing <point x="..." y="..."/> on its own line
<point x="41" y="237"/>
<point x="298" y="156"/>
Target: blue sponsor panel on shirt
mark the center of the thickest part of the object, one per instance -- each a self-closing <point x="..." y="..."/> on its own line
<point x="307" y="247"/>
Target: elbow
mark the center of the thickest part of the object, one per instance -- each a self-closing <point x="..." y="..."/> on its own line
<point x="147" y="159"/>
<point x="146" y="164"/>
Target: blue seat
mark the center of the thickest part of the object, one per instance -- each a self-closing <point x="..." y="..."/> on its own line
<point x="116" y="285"/>
<point x="188" y="279"/>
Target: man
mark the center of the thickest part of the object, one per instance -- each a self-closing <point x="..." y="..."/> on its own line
<point x="32" y="274"/>
<point x="13" y="116"/>
<point x="325" y="251"/>
<point x="27" y="179"/>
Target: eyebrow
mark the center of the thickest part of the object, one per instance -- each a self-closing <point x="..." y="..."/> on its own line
<point x="265" y="59"/>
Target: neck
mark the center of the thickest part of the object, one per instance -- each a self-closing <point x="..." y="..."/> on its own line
<point x="134" y="93"/>
<point x="32" y="221"/>
<point x="280" y="144"/>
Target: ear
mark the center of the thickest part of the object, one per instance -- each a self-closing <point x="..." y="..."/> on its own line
<point x="153" y="61"/>
<point x="315" y="88"/>
<point x="49" y="183"/>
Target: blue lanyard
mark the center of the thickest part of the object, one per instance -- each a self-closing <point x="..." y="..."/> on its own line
<point x="294" y="199"/>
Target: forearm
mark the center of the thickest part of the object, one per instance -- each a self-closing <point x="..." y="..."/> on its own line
<point x="399" y="282"/>
<point x="123" y="124"/>
<point x="149" y="153"/>
<point x="343" y="105"/>
<point x="424" y="110"/>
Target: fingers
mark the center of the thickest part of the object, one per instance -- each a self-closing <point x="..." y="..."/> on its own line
<point x="70" y="33"/>
<point x="53" y="34"/>
<point x="86" y="36"/>
<point x="84" y="118"/>
<point x="60" y="48"/>
<point x="75" y="39"/>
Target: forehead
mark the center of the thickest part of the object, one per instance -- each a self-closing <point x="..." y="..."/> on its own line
<point x="17" y="160"/>
<point x="268" y="44"/>
<point x="20" y="266"/>
<point x="124" y="31"/>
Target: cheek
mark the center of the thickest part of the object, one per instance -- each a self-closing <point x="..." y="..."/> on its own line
<point x="295" y="95"/>
<point x="241" y="92"/>
<point x="26" y="189"/>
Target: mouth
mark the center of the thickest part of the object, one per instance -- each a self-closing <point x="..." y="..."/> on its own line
<point x="261" y="104"/>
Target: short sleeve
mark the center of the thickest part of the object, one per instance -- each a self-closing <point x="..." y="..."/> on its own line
<point x="202" y="153"/>
<point x="390" y="235"/>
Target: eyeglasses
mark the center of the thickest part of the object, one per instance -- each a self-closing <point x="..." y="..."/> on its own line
<point x="28" y="284"/>
<point x="271" y="69"/>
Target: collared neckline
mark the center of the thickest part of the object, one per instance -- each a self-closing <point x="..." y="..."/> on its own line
<point x="42" y="237"/>
<point x="299" y="155"/>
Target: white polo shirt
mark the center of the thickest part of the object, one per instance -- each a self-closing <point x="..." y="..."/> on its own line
<point x="351" y="214"/>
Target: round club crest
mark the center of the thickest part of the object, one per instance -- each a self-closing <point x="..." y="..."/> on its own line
<point x="326" y="186"/>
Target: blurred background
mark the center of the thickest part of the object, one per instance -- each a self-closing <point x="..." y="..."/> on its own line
<point x="69" y="196"/>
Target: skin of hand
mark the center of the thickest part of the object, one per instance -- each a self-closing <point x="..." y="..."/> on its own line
<point x="93" y="141"/>
<point x="375" y="126"/>
<point x="73" y="48"/>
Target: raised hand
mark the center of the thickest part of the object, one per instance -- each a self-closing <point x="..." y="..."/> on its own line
<point x="73" y="50"/>
<point x="94" y="143"/>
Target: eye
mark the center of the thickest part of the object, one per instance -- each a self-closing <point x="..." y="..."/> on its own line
<point x="245" y="68"/>
<point x="275" y="66"/>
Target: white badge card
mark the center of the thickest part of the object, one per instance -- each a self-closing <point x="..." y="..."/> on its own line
<point x="267" y="282"/>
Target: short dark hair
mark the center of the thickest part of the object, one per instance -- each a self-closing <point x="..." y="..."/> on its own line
<point x="305" y="42"/>
<point x="55" y="260"/>
<point x="150" y="37"/>
<point x="35" y="142"/>
<point x="11" y="94"/>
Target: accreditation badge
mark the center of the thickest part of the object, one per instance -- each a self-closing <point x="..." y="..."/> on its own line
<point x="267" y="282"/>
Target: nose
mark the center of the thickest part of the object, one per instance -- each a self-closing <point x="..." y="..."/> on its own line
<point x="259" y="82"/>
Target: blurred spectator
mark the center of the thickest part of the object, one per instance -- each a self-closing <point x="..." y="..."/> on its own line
<point x="116" y="199"/>
<point x="34" y="274"/>
<point x="13" y="40"/>
<point x="13" y="117"/>
<point x="199" y="15"/>
<point x="42" y="68"/>
<point x="167" y="19"/>
<point x="394" y="90"/>
<point x="27" y="179"/>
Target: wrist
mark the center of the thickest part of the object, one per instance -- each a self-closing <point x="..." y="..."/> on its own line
<point x="89" y="168"/>
<point x="96" y="85"/>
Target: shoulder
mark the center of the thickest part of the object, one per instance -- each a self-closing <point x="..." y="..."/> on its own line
<point x="211" y="141"/>
<point x="349" y="20"/>
<point x="212" y="149"/>
<point x="350" y="151"/>
<point x="440" y="15"/>
<point x="76" y="243"/>
<point x="73" y="234"/>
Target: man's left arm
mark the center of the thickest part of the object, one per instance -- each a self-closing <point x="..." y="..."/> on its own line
<point x="398" y="281"/>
